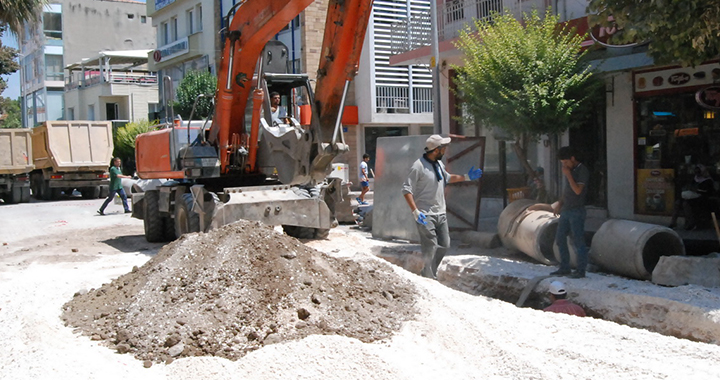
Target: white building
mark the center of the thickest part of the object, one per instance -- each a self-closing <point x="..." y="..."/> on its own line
<point x="70" y="31"/>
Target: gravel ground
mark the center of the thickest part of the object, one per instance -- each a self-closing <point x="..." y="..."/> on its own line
<point x="54" y="250"/>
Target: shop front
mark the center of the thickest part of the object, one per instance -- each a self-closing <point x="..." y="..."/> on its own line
<point x="677" y="128"/>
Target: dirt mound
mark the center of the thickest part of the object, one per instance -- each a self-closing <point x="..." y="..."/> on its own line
<point x="236" y="289"/>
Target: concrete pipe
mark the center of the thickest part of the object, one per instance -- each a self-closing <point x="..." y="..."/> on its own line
<point x="633" y="249"/>
<point x="530" y="232"/>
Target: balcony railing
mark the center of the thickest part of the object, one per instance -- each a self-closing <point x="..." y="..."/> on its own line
<point x="396" y="99"/>
<point x="93" y="78"/>
<point x="454" y="16"/>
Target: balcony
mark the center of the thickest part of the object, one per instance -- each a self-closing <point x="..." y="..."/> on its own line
<point x="93" y="78"/>
<point x="454" y="16"/>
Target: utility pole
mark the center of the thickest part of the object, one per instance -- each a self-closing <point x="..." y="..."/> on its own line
<point x="434" y="64"/>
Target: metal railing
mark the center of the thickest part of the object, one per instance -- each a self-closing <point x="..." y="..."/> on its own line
<point x="455" y="15"/>
<point x="93" y="78"/>
<point x="396" y="99"/>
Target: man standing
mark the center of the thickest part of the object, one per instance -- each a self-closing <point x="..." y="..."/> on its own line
<point x="571" y="208"/>
<point x="115" y="187"/>
<point x="560" y="304"/>
<point x="424" y="191"/>
<point x="364" y="179"/>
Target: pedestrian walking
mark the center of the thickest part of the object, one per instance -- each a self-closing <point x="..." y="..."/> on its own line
<point x="560" y="303"/>
<point x="571" y="208"/>
<point x="424" y="192"/>
<point x="364" y="179"/>
<point x="115" y="187"/>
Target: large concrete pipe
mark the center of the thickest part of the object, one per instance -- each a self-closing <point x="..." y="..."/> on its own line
<point x="633" y="249"/>
<point x="530" y="232"/>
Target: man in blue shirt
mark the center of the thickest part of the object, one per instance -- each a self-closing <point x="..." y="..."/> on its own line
<point x="115" y="187"/>
<point x="571" y="209"/>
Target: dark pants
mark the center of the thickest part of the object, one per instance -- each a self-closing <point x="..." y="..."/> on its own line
<point x="110" y="197"/>
<point x="572" y="221"/>
<point x="434" y="241"/>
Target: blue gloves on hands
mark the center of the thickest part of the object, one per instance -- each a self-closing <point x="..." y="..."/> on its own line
<point x="419" y="217"/>
<point x="473" y="174"/>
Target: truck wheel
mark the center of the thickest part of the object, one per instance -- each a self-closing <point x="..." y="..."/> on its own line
<point x="15" y="196"/>
<point x="90" y="192"/>
<point x="105" y="191"/>
<point x="46" y="192"/>
<point x="186" y="220"/>
<point x="169" y="228"/>
<point x="25" y="196"/>
<point x="152" y="221"/>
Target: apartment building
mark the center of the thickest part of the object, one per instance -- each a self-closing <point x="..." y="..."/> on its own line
<point x="68" y="32"/>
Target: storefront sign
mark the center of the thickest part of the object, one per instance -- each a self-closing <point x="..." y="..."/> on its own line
<point x="655" y="191"/>
<point x="675" y="78"/>
<point x="709" y="97"/>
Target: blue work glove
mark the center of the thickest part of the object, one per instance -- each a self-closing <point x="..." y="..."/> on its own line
<point x="419" y="217"/>
<point x="473" y="174"/>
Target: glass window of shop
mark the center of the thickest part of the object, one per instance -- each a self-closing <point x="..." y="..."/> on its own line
<point x="674" y="134"/>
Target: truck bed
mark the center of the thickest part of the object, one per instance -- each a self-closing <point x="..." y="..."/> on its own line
<point x="76" y="145"/>
<point x="15" y="151"/>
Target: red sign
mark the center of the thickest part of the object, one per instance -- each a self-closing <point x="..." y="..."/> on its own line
<point x="709" y="97"/>
<point x="157" y="56"/>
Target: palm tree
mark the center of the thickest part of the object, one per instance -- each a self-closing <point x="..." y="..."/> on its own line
<point x="15" y="13"/>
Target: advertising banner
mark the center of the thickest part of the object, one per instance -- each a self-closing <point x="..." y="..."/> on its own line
<point x="655" y="191"/>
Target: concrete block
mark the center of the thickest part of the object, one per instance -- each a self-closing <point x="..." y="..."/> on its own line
<point x="683" y="270"/>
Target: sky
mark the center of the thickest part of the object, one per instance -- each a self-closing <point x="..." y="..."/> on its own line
<point x="13" y="89"/>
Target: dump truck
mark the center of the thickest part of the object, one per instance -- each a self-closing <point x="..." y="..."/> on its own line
<point x="246" y="163"/>
<point x="15" y="164"/>
<point x="71" y="155"/>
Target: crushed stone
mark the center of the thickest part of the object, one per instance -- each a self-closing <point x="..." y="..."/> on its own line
<point x="236" y="289"/>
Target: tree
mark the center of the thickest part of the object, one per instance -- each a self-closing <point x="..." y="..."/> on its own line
<point x="15" y="13"/>
<point x="527" y="78"/>
<point x="679" y="31"/>
<point x="8" y="61"/>
<point x="192" y="85"/>
<point x="124" y="141"/>
<point x="11" y="111"/>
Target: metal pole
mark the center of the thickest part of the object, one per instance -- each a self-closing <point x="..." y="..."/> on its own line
<point x="502" y="160"/>
<point x="437" y="120"/>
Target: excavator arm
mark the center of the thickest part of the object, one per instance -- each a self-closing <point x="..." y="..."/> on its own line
<point x="255" y="22"/>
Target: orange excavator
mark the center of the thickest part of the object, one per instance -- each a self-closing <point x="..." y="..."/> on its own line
<point x="254" y="161"/>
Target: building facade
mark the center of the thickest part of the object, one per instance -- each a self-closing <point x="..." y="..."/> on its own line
<point x="642" y="144"/>
<point x="70" y="31"/>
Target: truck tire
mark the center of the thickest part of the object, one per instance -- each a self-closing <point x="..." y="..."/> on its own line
<point x="186" y="220"/>
<point x="90" y="192"/>
<point x="15" y="195"/>
<point x="25" y="195"/>
<point x="105" y="191"/>
<point x="169" y="228"/>
<point x="152" y="221"/>
<point x="46" y="192"/>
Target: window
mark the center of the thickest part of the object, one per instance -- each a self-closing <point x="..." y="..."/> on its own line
<point x="52" y="25"/>
<point x="131" y="16"/>
<point x="54" y="67"/>
<point x="199" y="18"/>
<point x="165" y="33"/>
<point x="143" y="19"/>
<point x="174" y="31"/>
<point x="190" y="21"/>
<point x="91" y="112"/>
<point x="71" y="113"/>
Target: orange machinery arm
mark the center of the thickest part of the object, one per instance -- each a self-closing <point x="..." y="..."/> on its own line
<point x="345" y="28"/>
<point x="255" y="22"/>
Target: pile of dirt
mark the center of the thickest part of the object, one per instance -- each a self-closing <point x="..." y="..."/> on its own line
<point x="238" y="288"/>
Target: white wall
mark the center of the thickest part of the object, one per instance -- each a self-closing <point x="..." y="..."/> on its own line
<point x="620" y="144"/>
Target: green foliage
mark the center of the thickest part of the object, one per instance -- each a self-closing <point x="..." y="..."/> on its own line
<point x="124" y="138"/>
<point x="679" y="31"/>
<point x="8" y="61"/>
<point x="11" y="109"/>
<point x="525" y="78"/>
<point x="15" y="13"/>
<point x="192" y="85"/>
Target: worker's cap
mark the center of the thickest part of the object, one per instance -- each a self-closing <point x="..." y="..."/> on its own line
<point x="557" y="288"/>
<point x="435" y="141"/>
